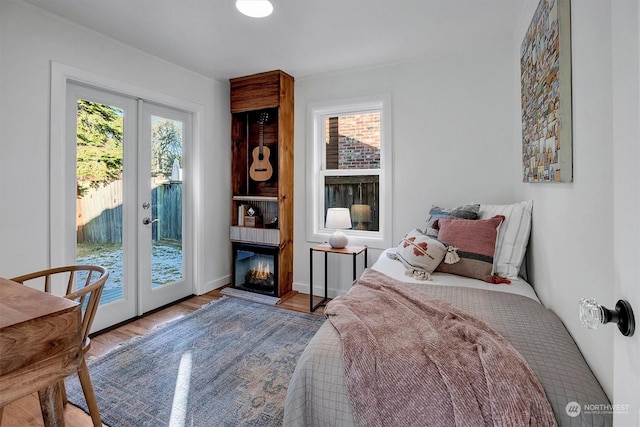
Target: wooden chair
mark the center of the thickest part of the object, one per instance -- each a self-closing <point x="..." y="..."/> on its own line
<point x="89" y="298"/>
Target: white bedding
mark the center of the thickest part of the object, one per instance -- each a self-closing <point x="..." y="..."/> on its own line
<point x="397" y="270"/>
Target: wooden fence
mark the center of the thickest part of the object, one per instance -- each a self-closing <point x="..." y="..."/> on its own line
<point x="344" y="191"/>
<point x="99" y="213"/>
<point x="166" y="202"/>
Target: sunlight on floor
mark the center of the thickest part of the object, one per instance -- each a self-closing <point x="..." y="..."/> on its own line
<point x="181" y="393"/>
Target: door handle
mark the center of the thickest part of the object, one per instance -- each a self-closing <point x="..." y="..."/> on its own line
<point x="147" y="220"/>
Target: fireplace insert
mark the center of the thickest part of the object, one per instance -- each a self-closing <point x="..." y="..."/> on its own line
<point x="255" y="268"/>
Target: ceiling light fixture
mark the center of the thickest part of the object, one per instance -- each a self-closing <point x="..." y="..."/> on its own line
<point x="255" y="8"/>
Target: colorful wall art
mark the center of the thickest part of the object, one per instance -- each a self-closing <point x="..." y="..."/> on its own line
<point x="545" y="75"/>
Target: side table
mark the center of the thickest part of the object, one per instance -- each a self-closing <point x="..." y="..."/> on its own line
<point x="352" y="250"/>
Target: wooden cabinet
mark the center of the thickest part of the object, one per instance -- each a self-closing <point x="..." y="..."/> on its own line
<point x="262" y="166"/>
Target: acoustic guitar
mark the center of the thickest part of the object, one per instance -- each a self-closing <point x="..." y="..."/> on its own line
<point x="261" y="169"/>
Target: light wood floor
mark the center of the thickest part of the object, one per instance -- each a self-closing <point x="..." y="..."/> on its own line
<point x="25" y="412"/>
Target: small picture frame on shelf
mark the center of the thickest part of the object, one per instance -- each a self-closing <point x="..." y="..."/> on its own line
<point x="252" y="221"/>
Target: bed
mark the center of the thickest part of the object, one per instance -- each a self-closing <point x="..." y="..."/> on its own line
<point x="318" y="394"/>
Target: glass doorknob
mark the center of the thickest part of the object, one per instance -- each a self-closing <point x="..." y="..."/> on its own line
<point x="592" y="315"/>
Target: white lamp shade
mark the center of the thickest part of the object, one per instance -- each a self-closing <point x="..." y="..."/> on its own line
<point x="338" y="218"/>
<point x="255" y="8"/>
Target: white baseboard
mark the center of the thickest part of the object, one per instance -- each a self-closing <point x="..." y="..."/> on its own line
<point x="215" y="284"/>
<point x="318" y="290"/>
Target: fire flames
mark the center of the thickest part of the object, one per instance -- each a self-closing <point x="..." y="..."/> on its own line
<point x="260" y="277"/>
<point x="261" y="271"/>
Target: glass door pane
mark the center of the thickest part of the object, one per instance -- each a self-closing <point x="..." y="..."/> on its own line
<point x="99" y="200"/>
<point x="166" y="201"/>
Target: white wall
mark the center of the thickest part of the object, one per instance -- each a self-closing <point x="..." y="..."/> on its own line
<point x="571" y="248"/>
<point x="29" y="41"/>
<point x="452" y="125"/>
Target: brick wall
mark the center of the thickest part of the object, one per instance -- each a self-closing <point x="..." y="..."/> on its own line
<point x="359" y="141"/>
<point x="353" y="142"/>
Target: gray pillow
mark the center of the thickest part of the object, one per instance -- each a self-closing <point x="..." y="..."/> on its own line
<point x="471" y="211"/>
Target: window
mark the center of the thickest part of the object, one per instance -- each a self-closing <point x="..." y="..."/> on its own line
<point x="351" y="166"/>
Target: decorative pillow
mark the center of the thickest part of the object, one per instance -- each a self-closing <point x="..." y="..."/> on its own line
<point x="513" y="236"/>
<point x="436" y="213"/>
<point x="475" y="242"/>
<point x="420" y="254"/>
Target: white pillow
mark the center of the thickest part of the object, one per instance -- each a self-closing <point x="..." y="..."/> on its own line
<point x="420" y="254"/>
<point x="513" y="236"/>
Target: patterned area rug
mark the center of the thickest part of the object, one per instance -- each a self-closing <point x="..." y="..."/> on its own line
<point x="226" y="364"/>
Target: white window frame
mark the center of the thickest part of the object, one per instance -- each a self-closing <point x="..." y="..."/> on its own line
<point x="316" y="115"/>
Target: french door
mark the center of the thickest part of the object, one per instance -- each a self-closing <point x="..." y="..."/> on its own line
<point x="131" y="161"/>
<point x="162" y="252"/>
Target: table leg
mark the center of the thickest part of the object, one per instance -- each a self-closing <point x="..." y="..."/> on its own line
<point x="365" y="256"/>
<point x="311" y="280"/>
<point x="326" y="277"/>
<point x="354" y="267"/>
<point x="323" y="301"/>
<point x="51" y="405"/>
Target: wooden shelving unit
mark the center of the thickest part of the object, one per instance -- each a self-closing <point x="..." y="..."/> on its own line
<point x="262" y="117"/>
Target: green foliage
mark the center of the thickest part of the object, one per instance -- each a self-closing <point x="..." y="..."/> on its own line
<point x="99" y="145"/>
<point x="166" y="145"/>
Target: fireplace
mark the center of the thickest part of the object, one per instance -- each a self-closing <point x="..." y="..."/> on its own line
<point x="255" y="268"/>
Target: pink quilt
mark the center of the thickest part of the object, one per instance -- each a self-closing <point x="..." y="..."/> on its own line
<point x="413" y="360"/>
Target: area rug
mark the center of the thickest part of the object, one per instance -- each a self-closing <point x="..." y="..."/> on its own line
<point x="226" y="364"/>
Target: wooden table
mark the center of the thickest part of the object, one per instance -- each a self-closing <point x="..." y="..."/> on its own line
<point x="39" y="346"/>
<point x="327" y="249"/>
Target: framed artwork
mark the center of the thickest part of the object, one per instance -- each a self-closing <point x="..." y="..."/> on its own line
<point x="545" y="78"/>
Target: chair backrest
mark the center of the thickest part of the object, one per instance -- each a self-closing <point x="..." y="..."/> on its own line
<point x="88" y="295"/>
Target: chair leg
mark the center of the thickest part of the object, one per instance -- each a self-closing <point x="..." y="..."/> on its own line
<point x="90" y="397"/>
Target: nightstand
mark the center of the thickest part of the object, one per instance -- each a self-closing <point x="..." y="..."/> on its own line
<point x="352" y="250"/>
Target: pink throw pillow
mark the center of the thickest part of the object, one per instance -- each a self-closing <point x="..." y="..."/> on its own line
<point x="475" y="241"/>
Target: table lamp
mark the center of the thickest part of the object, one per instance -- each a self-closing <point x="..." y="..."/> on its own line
<point x="338" y="219"/>
<point x="361" y="215"/>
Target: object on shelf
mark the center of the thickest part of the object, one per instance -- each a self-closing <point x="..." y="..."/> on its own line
<point x="261" y="169"/>
<point x="252" y="221"/>
<point x="273" y="223"/>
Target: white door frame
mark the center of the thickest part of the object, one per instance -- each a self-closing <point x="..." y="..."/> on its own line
<point x="62" y="227"/>
<point x="625" y="59"/>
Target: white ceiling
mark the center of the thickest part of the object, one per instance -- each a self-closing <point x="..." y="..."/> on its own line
<point x="302" y="37"/>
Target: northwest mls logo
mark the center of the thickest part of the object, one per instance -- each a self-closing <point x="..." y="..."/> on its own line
<point x="573" y="409"/>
